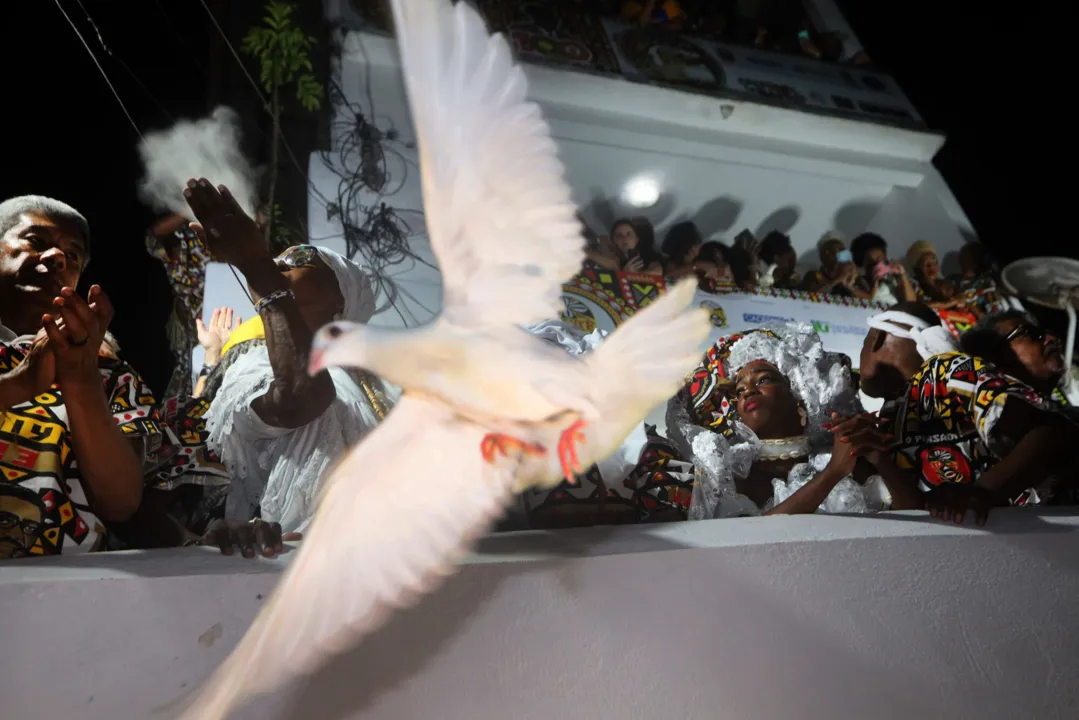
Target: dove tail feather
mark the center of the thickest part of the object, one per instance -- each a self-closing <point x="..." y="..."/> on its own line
<point x="217" y="698"/>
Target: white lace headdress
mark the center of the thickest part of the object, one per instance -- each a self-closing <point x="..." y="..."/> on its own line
<point x="822" y="384"/>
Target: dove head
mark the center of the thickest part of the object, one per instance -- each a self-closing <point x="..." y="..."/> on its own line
<point x="339" y="344"/>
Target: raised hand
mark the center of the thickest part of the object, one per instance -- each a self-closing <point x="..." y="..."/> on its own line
<point x="230" y="234"/>
<point x="213" y="337"/>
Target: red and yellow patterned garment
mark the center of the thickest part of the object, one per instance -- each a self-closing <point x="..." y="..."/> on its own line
<point x="43" y="505"/>
<point x="185" y="260"/>
<point x="945" y="424"/>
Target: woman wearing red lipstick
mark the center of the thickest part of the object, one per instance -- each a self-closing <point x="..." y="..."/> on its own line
<point x="755" y="423"/>
<point x="767" y="405"/>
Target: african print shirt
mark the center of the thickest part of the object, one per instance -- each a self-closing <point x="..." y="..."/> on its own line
<point x="186" y="269"/>
<point x="43" y="505"/>
<point x="185" y="458"/>
<point x="984" y="282"/>
<point x="945" y="422"/>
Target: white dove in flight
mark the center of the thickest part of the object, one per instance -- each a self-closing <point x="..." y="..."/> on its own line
<point x="487" y="408"/>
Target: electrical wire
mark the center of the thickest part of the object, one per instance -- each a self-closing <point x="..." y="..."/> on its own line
<point x="312" y="188"/>
<point x="93" y="57"/>
<point x="124" y="65"/>
<point x="372" y="229"/>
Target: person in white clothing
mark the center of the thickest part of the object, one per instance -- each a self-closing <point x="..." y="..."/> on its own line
<point x="276" y="427"/>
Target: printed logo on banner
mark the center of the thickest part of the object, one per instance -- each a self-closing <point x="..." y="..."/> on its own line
<point x="715" y="313"/>
<point x="841" y="327"/>
<point x="820" y="327"/>
<point x="856" y="330"/>
<point x="762" y="319"/>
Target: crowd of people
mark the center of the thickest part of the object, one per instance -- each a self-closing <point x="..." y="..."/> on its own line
<point x="769" y="424"/>
<point x="864" y="270"/>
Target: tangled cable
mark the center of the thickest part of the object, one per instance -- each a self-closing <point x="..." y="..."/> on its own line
<point x="372" y="229"/>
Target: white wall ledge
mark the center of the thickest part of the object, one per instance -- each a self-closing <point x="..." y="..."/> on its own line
<point x="549" y="545"/>
<point x="808" y="618"/>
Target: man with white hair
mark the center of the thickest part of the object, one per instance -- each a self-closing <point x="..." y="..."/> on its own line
<point x="974" y="436"/>
<point x="78" y="423"/>
<point x="275" y="427"/>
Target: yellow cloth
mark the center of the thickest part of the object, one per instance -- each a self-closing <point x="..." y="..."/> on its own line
<point x="253" y="329"/>
<point x="249" y="330"/>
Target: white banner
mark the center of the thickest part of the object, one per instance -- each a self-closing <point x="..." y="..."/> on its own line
<point x="597" y="298"/>
<point x="840" y="322"/>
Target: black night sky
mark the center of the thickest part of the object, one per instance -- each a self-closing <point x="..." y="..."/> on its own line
<point x="989" y="78"/>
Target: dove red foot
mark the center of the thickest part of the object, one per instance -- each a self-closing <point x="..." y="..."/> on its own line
<point x="567" y="450"/>
<point x="502" y="444"/>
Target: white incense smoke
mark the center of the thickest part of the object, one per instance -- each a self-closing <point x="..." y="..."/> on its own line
<point x="208" y="148"/>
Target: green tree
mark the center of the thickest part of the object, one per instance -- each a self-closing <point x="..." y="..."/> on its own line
<point x="284" y="55"/>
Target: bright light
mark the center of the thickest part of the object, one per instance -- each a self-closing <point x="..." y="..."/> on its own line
<point x="641" y="192"/>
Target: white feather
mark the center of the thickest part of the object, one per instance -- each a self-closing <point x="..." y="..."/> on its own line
<point x="648" y="359"/>
<point x="636" y="368"/>
<point x="408" y="501"/>
<point x="394" y="517"/>
<point x="500" y="216"/>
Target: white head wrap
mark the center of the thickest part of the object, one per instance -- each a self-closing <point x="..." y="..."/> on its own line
<point x="929" y="339"/>
<point x="355" y="285"/>
<point x="278" y="469"/>
<point x="820" y="381"/>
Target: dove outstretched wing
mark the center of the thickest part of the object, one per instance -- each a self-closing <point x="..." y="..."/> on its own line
<point x="500" y="215"/>
<point x="395" y="515"/>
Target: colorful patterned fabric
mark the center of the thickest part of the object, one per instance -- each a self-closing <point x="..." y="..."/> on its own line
<point x="710" y="383"/>
<point x="184" y="458"/>
<point x="615" y="295"/>
<point x="185" y="260"/>
<point x="846" y="300"/>
<point x="662" y="482"/>
<point x="957" y="322"/>
<point x="552" y="33"/>
<point x="946" y="420"/>
<point x="988" y="300"/>
<point x="588" y="502"/>
<point x="250" y="329"/>
<point x="44" y="509"/>
<point x="979" y="283"/>
<point x="716" y="287"/>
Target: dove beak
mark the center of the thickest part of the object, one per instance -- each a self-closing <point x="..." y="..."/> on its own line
<point x="314" y="364"/>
